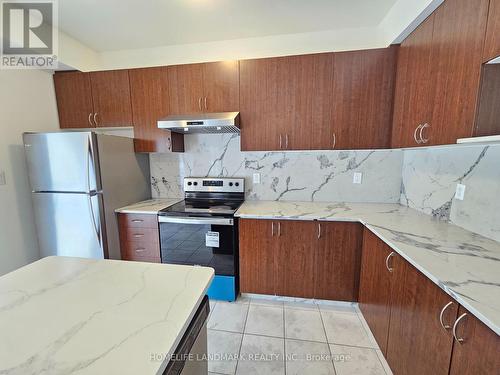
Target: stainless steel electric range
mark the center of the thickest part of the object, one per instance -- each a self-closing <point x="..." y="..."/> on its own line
<point x="202" y="230"/>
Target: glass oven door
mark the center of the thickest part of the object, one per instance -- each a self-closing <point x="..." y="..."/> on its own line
<point x="204" y="241"/>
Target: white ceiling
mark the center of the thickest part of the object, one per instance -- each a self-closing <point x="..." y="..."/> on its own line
<point x="110" y="25"/>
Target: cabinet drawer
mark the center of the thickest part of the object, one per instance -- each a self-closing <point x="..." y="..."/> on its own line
<point x="138" y="221"/>
<point x="143" y="251"/>
<point x="139" y="234"/>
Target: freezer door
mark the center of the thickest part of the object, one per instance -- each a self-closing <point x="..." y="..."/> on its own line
<point x="70" y="224"/>
<point x="63" y="161"/>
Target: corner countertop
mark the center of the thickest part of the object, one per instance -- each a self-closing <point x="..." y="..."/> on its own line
<point x="96" y="316"/>
<point x="462" y="263"/>
<point x="150" y="206"/>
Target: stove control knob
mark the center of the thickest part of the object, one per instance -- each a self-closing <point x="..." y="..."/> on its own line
<point x="190" y="183"/>
<point x="236" y="184"/>
<point x="230" y="184"/>
<point x="195" y="183"/>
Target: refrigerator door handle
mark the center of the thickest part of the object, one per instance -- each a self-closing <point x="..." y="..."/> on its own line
<point x="96" y="227"/>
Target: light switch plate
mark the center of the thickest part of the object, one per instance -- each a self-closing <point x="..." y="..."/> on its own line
<point x="2" y="178"/>
<point x="256" y="178"/>
<point x="460" y="192"/>
<point x="357" y="178"/>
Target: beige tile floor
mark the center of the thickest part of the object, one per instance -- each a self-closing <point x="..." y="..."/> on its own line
<point x="261" y="336"/>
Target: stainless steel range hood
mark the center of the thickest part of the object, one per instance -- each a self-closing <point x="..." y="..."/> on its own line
<point x="222" y="122"/>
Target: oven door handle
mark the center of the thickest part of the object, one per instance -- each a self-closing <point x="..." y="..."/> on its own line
<point x="196" y="220"/>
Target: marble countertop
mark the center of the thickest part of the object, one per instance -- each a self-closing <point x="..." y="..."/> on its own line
<point x="61" y="315"/>
<point x="151" y="206"/>
<point x="462" y="263"/>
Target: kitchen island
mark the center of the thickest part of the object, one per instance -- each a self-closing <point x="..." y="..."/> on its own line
<point x="63" y="315"/>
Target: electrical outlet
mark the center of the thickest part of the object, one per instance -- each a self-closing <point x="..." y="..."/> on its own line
<point x="2" y="178"/>
<point x="460" y="192"/>
<point x="357" y="178"/>
<point x="256" y="178"/>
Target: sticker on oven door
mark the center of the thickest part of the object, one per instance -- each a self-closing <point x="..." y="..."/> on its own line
<point x="212" y="239"/>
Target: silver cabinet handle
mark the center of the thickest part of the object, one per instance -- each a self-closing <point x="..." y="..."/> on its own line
<point x="137" y="221"/>
<point x="334" y="140"/>
<point x="418" y="141"/>
<point x="389" y="268"/>
<point x="138" y="235"/>
<point x="445" y="326"/>
<point x="206" y="103"/>
<point x="286" y="141"/>
<point x="272" y="229"/>
<point x="95" y="119"/>
<point x="281" y="142"/>
<point x="319" y="231"/>
<point x="279" y="229"/>
<point x="140" y="250"/>
<point x="421" y="134"/>
<point x="460" y="340"/>
<point x="90" y="120"/>
<point x="199" y="103"/>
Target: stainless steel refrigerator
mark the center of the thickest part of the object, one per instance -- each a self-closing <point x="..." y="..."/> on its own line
<point x="78" y="179"/>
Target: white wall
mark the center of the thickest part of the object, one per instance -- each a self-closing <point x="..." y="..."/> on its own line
<point x="27" y="103"/>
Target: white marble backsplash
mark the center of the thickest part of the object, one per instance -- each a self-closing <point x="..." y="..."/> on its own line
<point x="298" y="176"/>
<point x="430" y="177"/>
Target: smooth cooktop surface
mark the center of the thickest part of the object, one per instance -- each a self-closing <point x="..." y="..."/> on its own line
<point x="204" y="206"/>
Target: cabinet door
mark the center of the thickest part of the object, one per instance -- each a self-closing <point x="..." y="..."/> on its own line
<point x="362" y="98"/>
<point x="259" y="109"/>
<point x="488" y="111"/>
<point x="478" y="353"/>
<point x="338" y="261"/>
<point x="458" y="38"/>
<point x="185" y="88"/>
<point x="257" y="256"/>
<point x="74" y="99"/>
<point x="492" y="42"/>
<point x="149" y="94"/>
<point x="375" y="289"/>
<point x="221" y="86"/>
<point x="295" y="258"/>
<point x="111" y="98"/>
<point x="417" y="342"/>
<point x="412" y="96"/>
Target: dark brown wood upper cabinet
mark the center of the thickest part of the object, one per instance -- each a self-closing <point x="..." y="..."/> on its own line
<point x="458" y="38"/>
<point x="492" y="42"/>
<point x="376" y="284"/>
<point x="438" y="76"/>
<point x="111" y="98"/>
<point x="418" y="343"/>
<point x="488" y="112"/>
<point x="478" y="352"/>
<point x="149" y="95"/>
<point x="295" y="258"/>
<point x="74" y="99"/>
<point x="412" y="96"/>
<point x="208" y="87"/>
<point x="259" y="111"/>
<point x="338" y="261"/>
<point x="185" y="88"/>
<point x="362" y="98"/>
<point x="221" y="86"/>
<point x="257" y="256"/>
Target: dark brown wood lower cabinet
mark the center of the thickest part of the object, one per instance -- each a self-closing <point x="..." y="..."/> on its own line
<point x="257" y="249"/>
<point x="418" y="343"/>
<point x="139" y="237"/>
<point x="338" y="261"/>
<point x="479" y="353"/>
<point x="376" y="283"/>
<point x="295" y="258"/>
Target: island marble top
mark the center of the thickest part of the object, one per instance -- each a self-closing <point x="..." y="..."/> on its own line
<point x="462" y="263"/>
<point x="150" y="206"/>
<point x="64" y="315"/>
